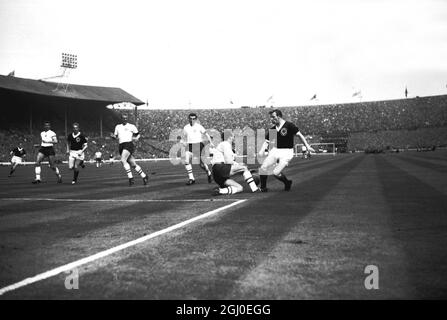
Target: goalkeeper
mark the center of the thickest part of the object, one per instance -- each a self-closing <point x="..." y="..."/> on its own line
<point x="225" y="167"/>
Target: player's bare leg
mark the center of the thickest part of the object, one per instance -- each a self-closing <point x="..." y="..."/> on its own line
<point x="240" y="168"/>
<point x="268" y="162"/>
<point x="277" y="173"/>
<point x="124" y="157"/>
<point x="13" y="168"/>
<point x="55" y="169"/>
<point x="188" y="167"/>
<point x="37" y="168"/>
<point x="137" y="168"/>
<point x="205" y="168"/>
<point x="73" y="164"/>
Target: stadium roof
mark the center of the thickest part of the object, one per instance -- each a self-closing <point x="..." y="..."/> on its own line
<point x="48" y="89"/>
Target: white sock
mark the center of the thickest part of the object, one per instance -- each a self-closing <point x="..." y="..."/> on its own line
<point x="140" y="171"/>
<point x="250" y="181"/>
<point x="189" y="170"/>
<point x="228" y="190"/>
<point x="128" y="171"/>
<point x="57" y="171"/>
<point x="37" y="171"/>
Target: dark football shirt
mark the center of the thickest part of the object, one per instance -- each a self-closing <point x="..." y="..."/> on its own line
<point x="284" y="137"/>
<point x="18" y="153"/>
<point x="76" y="143"/>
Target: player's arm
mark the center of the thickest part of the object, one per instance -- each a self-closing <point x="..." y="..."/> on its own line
<point x="183" y="137"/>
<point x="54" y="139"/>
<point x="114" y="135"/>
<point x="68" y="146"/>
<point x="264" y="147"/>
<point x="11" y="152"/>
<point x="209" y="139"/>
<point x="84" y="146"/>
<point x="303" y="139"/>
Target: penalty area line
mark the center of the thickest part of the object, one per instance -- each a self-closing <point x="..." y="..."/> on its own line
<point x="105" y="253"/>
<point x="116" y="200"/>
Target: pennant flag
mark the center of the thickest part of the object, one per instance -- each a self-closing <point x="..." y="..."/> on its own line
<point x="406" y="92"/>
<point x="12" y="73"/>
<point x="271" y="97"/>
<point x="357" y="94"/>
<point x="314" y="97"/>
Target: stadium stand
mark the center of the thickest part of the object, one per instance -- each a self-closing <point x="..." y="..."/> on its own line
<point x="366" y="126"/>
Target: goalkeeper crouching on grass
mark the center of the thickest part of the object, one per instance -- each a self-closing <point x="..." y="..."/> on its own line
<point x="225" y="167"/>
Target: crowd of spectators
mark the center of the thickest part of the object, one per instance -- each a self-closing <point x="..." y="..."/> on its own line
<point x="406" y="123"/>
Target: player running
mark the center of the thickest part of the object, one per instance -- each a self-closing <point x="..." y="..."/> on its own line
<point x="126" y="133"/>
<point x="76" y="145"/>
<point x="18" y="155"/>
<point x="282" y="152"/>
<point x="193" y="139"/>
<point x="49" y="139"/>
<point x="224" y="167"/>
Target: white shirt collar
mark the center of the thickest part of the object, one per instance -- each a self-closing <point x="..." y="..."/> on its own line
<point x="281" y="123"/>
<point x="75" y="136"/>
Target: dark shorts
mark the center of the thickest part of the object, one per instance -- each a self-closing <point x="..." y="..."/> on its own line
<point x="221" y="172"/>
<point x="98" y="159"/>
<point x="193" y="146"/>
<point x="47" y="151"/>
<point x="128" y="146"/>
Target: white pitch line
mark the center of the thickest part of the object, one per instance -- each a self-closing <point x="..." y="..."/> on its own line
<point x="102" y="254"/>
<point x="116" y="200"/>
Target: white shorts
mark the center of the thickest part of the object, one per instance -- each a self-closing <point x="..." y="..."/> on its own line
<point x="16" y="159"/>
<point x="281" y="155"/>
<point x="75" y="155"/>
<point x="277" y="158"/>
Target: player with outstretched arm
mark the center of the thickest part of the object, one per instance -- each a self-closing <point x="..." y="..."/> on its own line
<point x="282" y="151"/>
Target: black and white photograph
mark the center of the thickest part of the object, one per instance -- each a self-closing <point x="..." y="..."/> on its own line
<point x="232" y="152"/>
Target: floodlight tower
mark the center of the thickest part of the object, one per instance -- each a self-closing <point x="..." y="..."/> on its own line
<point x="69" y="62"/>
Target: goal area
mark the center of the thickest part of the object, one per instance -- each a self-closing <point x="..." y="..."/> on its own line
<point x="327" y="148"/>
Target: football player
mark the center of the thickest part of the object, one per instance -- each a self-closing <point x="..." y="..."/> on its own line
<point x="225" y="167"/>
<point x="126" y="133"/>
<point x="76" y="145"/>
<point x="98" y="158"/>
<point x="282" y="149"/>
<point x="18" y="154"/>
<point x="192" y="138"/>
<point x="49" y="139"/>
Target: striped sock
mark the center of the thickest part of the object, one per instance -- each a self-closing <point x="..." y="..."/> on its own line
<point x="189" y="170"/>
<point x="37" y="170"/>
<point x="250" y="181"/>
<point x="128" y="171"/>
<point x="140" y="171"/>
<point x="227" y="190"/>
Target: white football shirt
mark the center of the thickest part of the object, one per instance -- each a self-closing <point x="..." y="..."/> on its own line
<point x="125" y="132"/>
<point x="193" y="133"/>
<point x="222" y="149"/>
<point x="47" y="138"/>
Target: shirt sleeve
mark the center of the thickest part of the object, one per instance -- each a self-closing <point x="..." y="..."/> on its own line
<point x="294" y="128"/>
<point x="202" y="129"/>
<point x="134" y="130"/>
